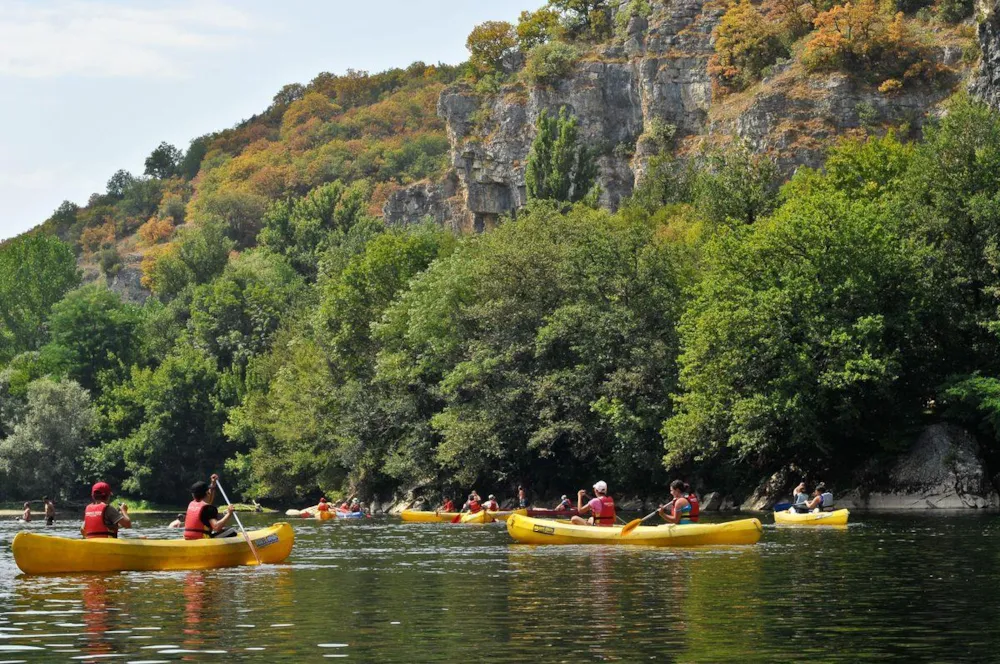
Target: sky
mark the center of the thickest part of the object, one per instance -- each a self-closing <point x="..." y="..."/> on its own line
<point x="89" y="87"/>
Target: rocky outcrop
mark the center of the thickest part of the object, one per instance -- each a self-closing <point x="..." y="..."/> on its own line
<point x="657" y="71"/>
<point x="986" y="83"/>
<point x="128" y="284"/>
<point x="435" y="200"/>
<point x="943" y="470"/>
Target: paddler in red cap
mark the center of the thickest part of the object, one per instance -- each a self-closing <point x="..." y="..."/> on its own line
<point x="101" y="519"/>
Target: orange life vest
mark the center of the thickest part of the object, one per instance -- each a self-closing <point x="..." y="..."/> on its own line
<point x="492" y="506"/>
<point x="695" y="507"/>
<point x="607" y="515"/>
<point x="323" y="507"/>
<point x="474" y="506"/>
<point x="93" y="522"/>
<point x="193" y="527"/>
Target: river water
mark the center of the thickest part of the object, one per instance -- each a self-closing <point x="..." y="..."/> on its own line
<point x="887" y="588"/>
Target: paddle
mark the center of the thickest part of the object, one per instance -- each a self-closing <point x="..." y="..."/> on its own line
<point x="781" y="507"/>
<point x="253" y="549"/>
<point x="633" y="524"/>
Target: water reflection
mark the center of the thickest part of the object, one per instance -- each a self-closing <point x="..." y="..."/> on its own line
<point x="391" y="592"/>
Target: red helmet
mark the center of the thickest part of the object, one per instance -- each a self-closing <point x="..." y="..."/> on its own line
<point x="101" y="489"/>
<point x="322" y="500"/>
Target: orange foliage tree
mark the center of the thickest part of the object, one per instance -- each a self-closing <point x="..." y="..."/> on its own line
<point x="94" y="238"/>
<point x="155" y="230"/>
<point x="745" y="44"/>
<point x="869" y="39"/>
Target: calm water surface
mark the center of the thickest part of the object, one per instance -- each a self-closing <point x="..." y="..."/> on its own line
<point x="888" y="588"/>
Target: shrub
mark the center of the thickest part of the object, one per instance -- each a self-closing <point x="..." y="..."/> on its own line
<point x="745" y="43"/>
<point x="633" y="8"/>
<point x="547" y="63"/>
<point x="155" y="231"/>
<point x="954" y="11"/>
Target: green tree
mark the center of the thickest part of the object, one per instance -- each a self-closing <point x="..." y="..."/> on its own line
<point x="164" y="427"/>
<point x="91" y="331"/>
<point x="736" y="184"/>
<point x="559" y="168"/>
<point x="586" y="18"/>
<point x="36" y="270"/>
<point x="537" y="27"/>
<point x="42" y="454"/>
<point x="119" y="183"/>
<point x="488" y="44"/>
<point x="191" y="163"/>
<point x="199" y="254"/>
<point x="805" y="340"/>
<point x="235" y="316"/>
<point x="163" y="162"/>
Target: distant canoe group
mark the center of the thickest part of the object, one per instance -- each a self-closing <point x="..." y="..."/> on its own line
<point x="44" y="554"/>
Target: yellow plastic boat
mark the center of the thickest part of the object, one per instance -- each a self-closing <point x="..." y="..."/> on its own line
<point x="325" y="516"/>
<point x="416" y="516"/>
<point x="528" y="530"/>
<point x="482" y="516"/>
<point x="45" y="554"/>
<point x="835" y="518"/>
<point x="504" y="515"/>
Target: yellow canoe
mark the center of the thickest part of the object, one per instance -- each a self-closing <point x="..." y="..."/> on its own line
<point x="529" y="530"/>
<point x="46" y="554"/>
<point x="482" y="516"/>
<point x="325" y="516"/>
<point x="835" y="518"/>
<point x="416" y="516"/>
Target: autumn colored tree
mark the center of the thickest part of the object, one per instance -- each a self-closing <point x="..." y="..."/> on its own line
<point x="489" y="43"/>
<point x="745" y="44"/>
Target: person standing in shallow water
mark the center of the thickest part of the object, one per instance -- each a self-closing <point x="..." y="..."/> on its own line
<point x="26" y="515"/>
<point x="522" y="497"/>
<point x="50" y="511"/>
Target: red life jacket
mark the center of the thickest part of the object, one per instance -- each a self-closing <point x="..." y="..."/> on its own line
<point x="695" y="507"/>
<point x="193" y="527"/>
<point x="448" y="506"/>
<point x="474" y="506"/>
<point x="492" y="506"/>
<point x="607" y="515"/>
<point x="93" y="522"/>
<point x="323" y="507"/>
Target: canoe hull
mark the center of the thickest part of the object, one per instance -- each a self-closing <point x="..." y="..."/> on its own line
<point x="551" y="514"/>
<point x="482" y="516"/>
<point x="45" y="554"/>
<point x="416" y="516"/>
<point x="528" y="530"/>
<point x="835" y="518"/>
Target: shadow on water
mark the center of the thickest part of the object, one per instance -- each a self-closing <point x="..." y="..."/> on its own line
<point x="887" y="588"/>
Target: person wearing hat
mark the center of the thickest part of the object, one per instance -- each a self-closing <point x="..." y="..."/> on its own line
<point x="177" y="523"/>
<point x="101" y="519"/>
<point x="564" y="505"/>
<point x="202" y="517"/>
<point x="491" y="504"/>
<point x="601" y="507"/>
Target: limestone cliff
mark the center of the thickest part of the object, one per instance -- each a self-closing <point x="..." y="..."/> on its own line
<point x="657" y="70"/>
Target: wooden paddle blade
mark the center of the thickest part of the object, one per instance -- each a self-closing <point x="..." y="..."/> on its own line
<point x="630" y="526"/>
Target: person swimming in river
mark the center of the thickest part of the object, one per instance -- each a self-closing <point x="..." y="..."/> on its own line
<point x="177" y="522"/>
<point x="26" y="515"/>
<point x="680" y="507"/>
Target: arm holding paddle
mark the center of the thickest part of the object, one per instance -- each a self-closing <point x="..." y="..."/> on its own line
<point x="674" y="506"/>
<point x="582" y="509"/>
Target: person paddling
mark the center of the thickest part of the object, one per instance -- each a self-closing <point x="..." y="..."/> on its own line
<point x="799" y="496"/>
<point x="564" y="504"/>
<point x="601" y="507"/>
<point x="101" y="520"/>
<point x="177" y="523"/>
<point x="491" y="504"/>
<point x="447" y="506"/>
<point x="680" y="512"/>
<point x="202" y="517"/>
<point x="323" y="506"/>
<point x="817" y="502"/>
<point x="472" y="504"/>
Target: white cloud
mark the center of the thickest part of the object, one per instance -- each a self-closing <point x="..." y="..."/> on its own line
<point x="104" y="39"/>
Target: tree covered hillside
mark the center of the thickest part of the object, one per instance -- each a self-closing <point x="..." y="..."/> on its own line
<point x="721" y="324"/>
